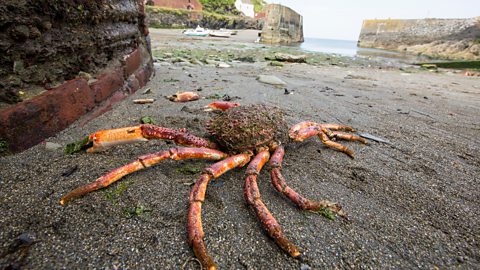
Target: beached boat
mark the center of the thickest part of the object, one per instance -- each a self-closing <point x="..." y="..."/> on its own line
<point x="197" y="32"/>
<point x="219" y="33"/>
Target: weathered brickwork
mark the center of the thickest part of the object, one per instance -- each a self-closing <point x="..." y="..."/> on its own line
<point x="80" y="53"/>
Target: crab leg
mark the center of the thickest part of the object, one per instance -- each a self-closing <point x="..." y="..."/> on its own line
<point x="197" y="196"/>
<point x="294" y="129"/>
<point x="252" y="195"/>
<point x="347" y="137"/>
<point x="142" y="163"/>
<point x="304" y="130"/>
<point x="280" y="184"/>
<point x="105" y="138"/>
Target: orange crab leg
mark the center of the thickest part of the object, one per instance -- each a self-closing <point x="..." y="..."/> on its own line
<point x="348" y="137"/>
<point x="337" y="127"/>
<point x="105" y="138"/>
<point x="252" y="195"/>
<point x="304" y="133"/>
<point x="304" y="130"/>
<point x="197" y="196"/>
<point x="340" y="147"/>
<point x="142" y="163"/>
<point x="222" y="105"/>
<point x="280" y="184"/>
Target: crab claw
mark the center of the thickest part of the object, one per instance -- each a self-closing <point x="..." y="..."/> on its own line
<point x="184" y="97"/>
<point x="106" y="138"/>
<point x="221" y="105"/>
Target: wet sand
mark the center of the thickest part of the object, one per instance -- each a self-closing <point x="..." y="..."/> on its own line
<point x="412" y="203"/>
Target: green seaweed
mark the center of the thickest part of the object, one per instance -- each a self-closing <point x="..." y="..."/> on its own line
<point x="276" y="64"/>
<point x="214" y="96"/>
<point x="3" y="147"/>
<point x="171" y="80"/>
<point x="113" y="194"/>
<point x="327" y="213"/>
<point x="147" y="120"/>
<point x="78" y="146"/>
<point x="453" y="64"/>
<point x="136" y="211"/>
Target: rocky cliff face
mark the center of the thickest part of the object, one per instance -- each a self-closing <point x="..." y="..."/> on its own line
<point x="178" y="18"/>
<point x="282" y="25"/>
<point x="442" y="38"/>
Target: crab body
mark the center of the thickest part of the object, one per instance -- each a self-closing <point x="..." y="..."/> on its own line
<point x="248" y="128"/>
<point x="243" y="135"/>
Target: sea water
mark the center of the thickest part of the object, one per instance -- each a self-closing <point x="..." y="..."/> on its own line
<point x="349" y="48"/>
<point x="342" y="47"/>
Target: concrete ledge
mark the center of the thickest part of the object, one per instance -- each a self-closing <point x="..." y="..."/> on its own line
<point x="30" y="122"/>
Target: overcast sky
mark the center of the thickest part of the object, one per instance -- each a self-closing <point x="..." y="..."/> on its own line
<point x="342" y="19"/>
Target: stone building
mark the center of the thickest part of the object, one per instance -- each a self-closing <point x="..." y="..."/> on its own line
<point x="246" y="7"/>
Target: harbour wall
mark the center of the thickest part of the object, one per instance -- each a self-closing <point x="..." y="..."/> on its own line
<point x="440" y="38"/>
<point x="282" y="25"/>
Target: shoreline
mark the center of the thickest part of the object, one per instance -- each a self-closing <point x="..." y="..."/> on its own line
<point x="248" y="37"/>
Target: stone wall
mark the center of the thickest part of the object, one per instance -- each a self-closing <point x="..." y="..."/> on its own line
<point x="282" y="25"/>
<point x="60" y="60"/>
<point x="179" y="18"/>
<point x="444" y="38"/>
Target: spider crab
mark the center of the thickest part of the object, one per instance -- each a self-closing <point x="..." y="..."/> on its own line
<point x="248" y="134"/>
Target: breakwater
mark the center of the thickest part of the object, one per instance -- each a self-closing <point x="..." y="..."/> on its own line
<point x="441" y="38"/>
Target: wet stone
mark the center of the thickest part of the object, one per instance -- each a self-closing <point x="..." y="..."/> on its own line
<point x="52" y="146"/>
<point x="270" y="79"/>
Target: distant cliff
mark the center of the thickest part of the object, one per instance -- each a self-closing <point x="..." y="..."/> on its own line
<point x="159" y="17"/>
<point x="441" y="38"/>
<point x="282" y="25"/>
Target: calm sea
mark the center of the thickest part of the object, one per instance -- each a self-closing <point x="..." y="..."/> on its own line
<point x="349" y="48"/>
<point x="343" y="47"/>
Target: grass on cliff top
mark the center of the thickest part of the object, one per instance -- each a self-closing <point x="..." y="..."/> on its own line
<point x="454" y="64"/>
<point x="217" y="16"/>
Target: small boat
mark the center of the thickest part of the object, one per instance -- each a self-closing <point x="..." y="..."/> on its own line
<point x="197" y="32"/>
<point x="220" y="33"/>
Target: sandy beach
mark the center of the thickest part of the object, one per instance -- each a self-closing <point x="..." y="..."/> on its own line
<point x="413" y="203"/>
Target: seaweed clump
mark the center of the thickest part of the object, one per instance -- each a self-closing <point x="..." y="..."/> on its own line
<point x="248" y="127"/>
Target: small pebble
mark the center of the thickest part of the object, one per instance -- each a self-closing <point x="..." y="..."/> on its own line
<point x="305" y="267"/>
<point x="52" y="146"/>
